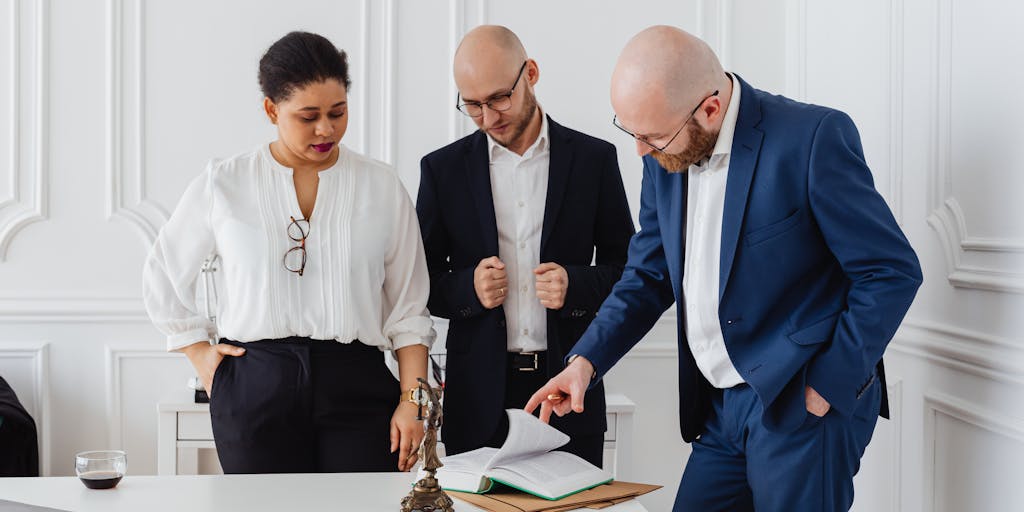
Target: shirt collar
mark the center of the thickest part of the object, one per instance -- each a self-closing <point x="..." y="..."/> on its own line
<point x="724" y="144"/>
<point x="496" y="150"/>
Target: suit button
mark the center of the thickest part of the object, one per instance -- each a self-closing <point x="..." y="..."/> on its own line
<point x="465" y="312"/>
<point x="501" y="323"/>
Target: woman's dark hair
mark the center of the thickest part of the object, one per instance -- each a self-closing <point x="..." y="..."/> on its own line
<point x="299" y="59"/>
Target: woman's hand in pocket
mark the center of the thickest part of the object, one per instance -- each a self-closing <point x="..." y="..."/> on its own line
<point x="206" y="358"/>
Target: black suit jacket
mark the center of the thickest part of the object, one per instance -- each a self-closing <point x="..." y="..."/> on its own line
<point x="585" y="210"/>
<point x="19" y="455"/>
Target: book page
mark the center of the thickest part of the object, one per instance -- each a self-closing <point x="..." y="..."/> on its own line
<point x="550" y="475"/>
<point x="472" y="461"/>
<point x="527" y="436"/>
<point x="465" y="471"/>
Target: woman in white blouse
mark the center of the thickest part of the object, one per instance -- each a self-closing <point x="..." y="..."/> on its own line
<point x="321" y="269"/>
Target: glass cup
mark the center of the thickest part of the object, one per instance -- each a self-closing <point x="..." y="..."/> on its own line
<point x="101" y="469"/>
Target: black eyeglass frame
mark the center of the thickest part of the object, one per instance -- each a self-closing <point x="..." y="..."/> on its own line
<point x="489" y="103"/>
<point x="301" y="247"/>
<point x="641" y="138"/>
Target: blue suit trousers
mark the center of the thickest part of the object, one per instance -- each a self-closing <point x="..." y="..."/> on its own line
<point x="739" y="465"/>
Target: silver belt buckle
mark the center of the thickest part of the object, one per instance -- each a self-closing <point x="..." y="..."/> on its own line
<point x="527" y="369"/>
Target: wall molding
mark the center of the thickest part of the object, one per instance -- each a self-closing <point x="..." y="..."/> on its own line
<point x="796" y="49"/>
<point x="115" y="357"/>
<point x="379" y="44"/>
<point x="948" y="221"/>
<point x="70" y="308"/>
<point x="796" y="86"/>
<point x="718" y="16"/>
<point x="462" y="16"/>
<point x="972" y="352"/>
<point x="363" y="67"/>
<point x="947" y="217"/>
<point x="896" y="411"/>
<point x="126" y="121"/>
<point x="936" y="404"/>
<point x="126" y="114"/>
<point x="389" y="72"/>
<point x="37" y="356"/>
<point x="897" y="28"/>
<point x="28" y="163"/>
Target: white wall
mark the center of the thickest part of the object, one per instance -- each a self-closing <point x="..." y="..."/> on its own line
<point x="110" y="107"/>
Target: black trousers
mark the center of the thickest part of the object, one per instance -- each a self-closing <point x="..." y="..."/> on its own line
<point x="519" y="387"/>
<point x="297" y="405"/>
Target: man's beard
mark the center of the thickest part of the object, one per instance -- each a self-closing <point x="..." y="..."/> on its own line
<point x="700" y="146"/>
<point x="520" y="125"/>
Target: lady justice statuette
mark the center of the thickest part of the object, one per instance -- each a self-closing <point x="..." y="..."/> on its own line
<point x="426" y="495"/>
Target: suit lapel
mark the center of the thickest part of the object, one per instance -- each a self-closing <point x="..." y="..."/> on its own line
<point x="673" y="195"/>
<point x="559" y="169"/>
<point x="478" y="175"/>
<point x="746" y="146"/>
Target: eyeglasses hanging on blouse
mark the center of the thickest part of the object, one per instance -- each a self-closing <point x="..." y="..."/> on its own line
<point x="295" y="258"/>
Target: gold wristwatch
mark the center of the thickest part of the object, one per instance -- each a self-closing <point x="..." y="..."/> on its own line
<point x="417" y="396"/>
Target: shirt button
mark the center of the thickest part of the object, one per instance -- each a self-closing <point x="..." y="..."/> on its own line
<point x="522" y="245"/>
<point x="521" y="204"/>
<point x="526" y="332"/>
<point x="525" y="288"/>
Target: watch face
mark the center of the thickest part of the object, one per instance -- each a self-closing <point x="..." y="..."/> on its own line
<point x="418" y="396"/>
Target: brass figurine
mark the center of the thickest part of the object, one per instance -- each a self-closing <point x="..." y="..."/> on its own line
<point x="427" y="495"/>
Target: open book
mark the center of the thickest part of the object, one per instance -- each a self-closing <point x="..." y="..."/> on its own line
<point x="525" y="461"/>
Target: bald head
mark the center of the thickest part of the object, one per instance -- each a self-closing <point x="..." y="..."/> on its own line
<point x="495" y="79"/>
<point x="667" y="68"/>
<point x="486" y="47"/>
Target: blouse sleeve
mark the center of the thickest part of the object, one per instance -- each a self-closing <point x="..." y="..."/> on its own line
<point x="406" y="282"/>
<point x="172" y="268"/>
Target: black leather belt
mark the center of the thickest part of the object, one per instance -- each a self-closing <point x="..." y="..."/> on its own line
<point x="526" y="361"/>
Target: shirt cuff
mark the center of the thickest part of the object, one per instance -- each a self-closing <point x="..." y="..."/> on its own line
<point x="406" y="339"/>
<point x="181" y="340"/>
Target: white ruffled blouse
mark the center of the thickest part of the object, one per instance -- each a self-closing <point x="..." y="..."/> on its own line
<point x="365" y="276"/>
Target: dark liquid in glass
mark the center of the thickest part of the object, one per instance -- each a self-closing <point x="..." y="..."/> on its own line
<point x="100" y="479"/>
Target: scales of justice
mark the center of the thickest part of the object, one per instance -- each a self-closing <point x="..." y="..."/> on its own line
<point x="426" y="495"/>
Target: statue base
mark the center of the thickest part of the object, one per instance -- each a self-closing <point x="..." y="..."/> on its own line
<point x="427" y="496"/>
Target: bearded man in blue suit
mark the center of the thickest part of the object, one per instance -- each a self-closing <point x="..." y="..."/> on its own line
<point x="759" y="220"/>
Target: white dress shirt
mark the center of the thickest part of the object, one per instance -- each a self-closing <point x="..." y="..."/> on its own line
<point x="365" y="277"/>
<point x="519" y="186"/>
<point x="705" y="201"/>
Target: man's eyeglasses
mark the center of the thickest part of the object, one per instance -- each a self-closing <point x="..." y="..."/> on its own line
<point x="498" y="102"/>
<point x="643" y="138"/>
<point x="295" y="258"/>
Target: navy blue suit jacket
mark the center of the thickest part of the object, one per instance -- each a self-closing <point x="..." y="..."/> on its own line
<point x="815" y="274"/>
<point x="586" y="216"/>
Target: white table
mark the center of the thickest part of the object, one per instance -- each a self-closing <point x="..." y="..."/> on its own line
<point x="361" y="492"/>
<point x="184" y="428"/>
